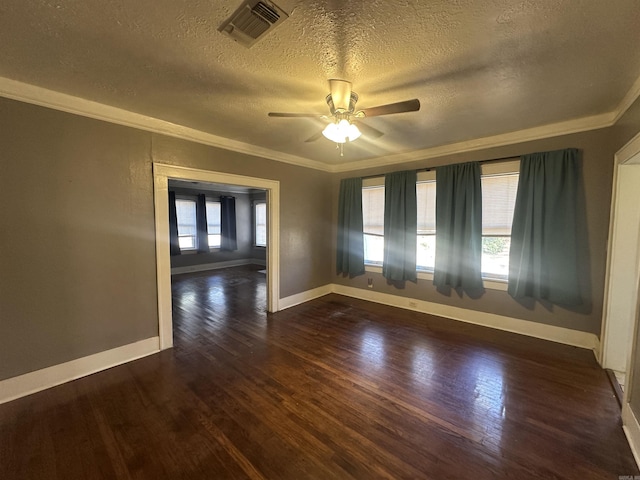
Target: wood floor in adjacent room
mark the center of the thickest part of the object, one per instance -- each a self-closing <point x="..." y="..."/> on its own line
<point x="332" y="389"/>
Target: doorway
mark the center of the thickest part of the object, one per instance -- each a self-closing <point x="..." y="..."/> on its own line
<point x="162" y="174"/>
<point x="621" y="293"/>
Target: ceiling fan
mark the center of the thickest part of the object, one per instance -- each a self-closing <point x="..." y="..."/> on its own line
<point x="345" y="125"/>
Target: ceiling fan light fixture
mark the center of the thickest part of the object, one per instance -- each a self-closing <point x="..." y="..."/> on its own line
<point x="341" y="132"/>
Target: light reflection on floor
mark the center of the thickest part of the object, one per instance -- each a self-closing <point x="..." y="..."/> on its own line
<point x="372" y="348"/>
<point x="422" y="363"/>
<point x="482" y="378"/>
<point x="485" y="379"/>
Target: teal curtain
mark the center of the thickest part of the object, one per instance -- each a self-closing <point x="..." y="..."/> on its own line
<point x="228" y="237"/>
<point x="400" y="226"/>
<point x="543" y="261"/>
<point x="202" y="234"/>
<point x="350" y="248"/>
<point x="459" y="228"/>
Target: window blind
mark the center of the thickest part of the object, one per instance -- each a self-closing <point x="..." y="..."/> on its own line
<point x="426" y="198"/>
<point x="498" y="201"/>
<point x="373" y="210"/>
<point x="186" y="212"/>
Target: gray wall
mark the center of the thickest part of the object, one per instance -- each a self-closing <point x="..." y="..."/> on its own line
<point x="78" y="274"/>
<point x="244" y="232"/>
<point x="628" y="126"/>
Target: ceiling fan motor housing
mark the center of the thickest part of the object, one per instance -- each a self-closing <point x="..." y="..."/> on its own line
<point x="352" y="104"/>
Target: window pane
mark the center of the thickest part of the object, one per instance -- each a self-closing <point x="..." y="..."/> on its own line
<point x="373" y="224"/>
<point x="373" y="248"/>
<point x="498" y="202"/>
<point x="426" y="198"/>
<point x="214" y="240"/>
<point x="373" y="210"/>
<point x="495" y="256"/>
<point x="426" y="240"/>
<point x="261" y="224"/>
<point x="213" y="218"/>
<point x="186" y="215"/>
<point x="213" y="224"/>
<point x="186" y="241"/>
<point x="426" y="252"/>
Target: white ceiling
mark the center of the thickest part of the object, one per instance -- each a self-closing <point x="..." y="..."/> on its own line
<point x="480" y="68"/>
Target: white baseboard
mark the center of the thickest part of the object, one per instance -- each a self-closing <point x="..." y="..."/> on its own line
<point x="631" y="429"/>
<point x="597" y="352"/>
<point x="524" y="327"/>
<point x="621" y="377"/>
<point x="32" y="382"/>
<point x="217" y="265"/>
<point x="306" y="296"/>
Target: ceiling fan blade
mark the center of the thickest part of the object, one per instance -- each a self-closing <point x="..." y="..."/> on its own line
<point x="400" y="107"/>
<point x="314" y="137"/>
<point x="368" y="130"/>
<point x="295" y="115"/>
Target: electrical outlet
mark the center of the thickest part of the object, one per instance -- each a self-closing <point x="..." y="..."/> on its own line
<point x="370" y="282"/>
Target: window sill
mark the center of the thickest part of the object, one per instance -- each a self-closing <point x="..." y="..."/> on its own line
<point x="489" y="283"/>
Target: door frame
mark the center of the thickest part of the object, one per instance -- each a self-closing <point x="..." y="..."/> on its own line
<point x="626" y="156"/>
<point x="162" y="173"/>
<point x="631" y="153"/>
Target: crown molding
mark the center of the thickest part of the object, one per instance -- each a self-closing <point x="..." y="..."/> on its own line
<point x="631" y="96"/>
<point x="43" y="97"/>
<point x="545" y="131"/>
<point x="68" y="103"/>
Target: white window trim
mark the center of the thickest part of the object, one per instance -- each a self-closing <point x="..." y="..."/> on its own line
<point x="500" y="168"/>
<point x="488" y="283"/>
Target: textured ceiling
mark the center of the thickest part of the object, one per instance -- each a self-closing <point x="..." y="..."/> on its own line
<point x="479" y="68"/>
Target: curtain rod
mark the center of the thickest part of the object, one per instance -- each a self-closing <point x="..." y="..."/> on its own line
<point x="428" y="169"/>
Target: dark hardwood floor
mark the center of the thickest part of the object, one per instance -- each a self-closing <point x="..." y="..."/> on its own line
<point x="335" y="388"/>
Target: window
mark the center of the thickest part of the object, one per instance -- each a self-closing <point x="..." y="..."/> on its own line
<point x="373" y="220"/>
<point x="373" y="224"/>
<point x="498" y="202"/>
<point x="213" y="224"/>
<point x="499" y="188"/>
<point x="426" y="248"/>
<point x="260" y="215"/>
<point x="186" y="214"/>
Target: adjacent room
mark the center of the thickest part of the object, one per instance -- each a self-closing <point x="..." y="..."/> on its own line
<point x="292" y="239"/>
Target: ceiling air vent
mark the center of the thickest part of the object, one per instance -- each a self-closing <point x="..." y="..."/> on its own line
<point x="252" y="20"/>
